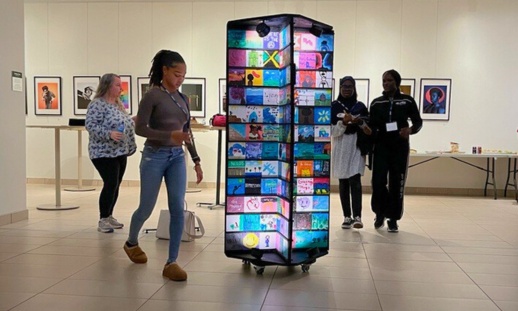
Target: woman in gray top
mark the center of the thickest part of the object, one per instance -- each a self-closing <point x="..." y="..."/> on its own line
<point x="163" y="118"/>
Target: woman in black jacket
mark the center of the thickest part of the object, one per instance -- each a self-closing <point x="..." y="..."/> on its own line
<point x="389" y="116"/>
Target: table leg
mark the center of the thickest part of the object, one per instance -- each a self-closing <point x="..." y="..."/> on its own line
<point x="218" y="173"/>
<point x="508" y="175"/>
<point x="218" y="178"/>
<point x="493" y="160"/>
<point x="514" y="181"/>
<point x="57" y="168"/>
<point x="80" y="166"/>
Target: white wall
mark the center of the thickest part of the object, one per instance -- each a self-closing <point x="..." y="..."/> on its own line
<point x="468" y="41"/>
<point x="12" y="111"/>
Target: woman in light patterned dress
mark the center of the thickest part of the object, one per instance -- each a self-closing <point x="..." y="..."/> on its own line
<point x="349" y="147"/>
<point x="111" y="140"/>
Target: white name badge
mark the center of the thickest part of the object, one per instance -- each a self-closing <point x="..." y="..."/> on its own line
<point x="392" y="126"/>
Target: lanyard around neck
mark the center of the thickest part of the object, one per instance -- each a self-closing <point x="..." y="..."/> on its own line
<point x="391" y="100"/>
<point x="176" y="102"/>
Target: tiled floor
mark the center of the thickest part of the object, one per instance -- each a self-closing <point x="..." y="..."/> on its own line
<point x="451" y="253"/>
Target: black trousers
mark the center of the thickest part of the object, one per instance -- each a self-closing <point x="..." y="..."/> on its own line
<point x="351" y="191"/>
<point x="111" y="171"/>
<point x="390" y="165"/>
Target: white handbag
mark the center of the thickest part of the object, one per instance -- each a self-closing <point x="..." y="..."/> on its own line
<point x="190" y="230"/>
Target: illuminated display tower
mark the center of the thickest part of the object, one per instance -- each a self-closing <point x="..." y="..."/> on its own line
<point x="278" y="136"/>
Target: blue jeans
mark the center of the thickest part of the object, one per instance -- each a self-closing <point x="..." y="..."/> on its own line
<point x="158" y="163"/>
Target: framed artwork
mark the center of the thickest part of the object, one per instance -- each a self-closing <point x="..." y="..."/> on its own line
<point x="362" y="89"/>
<point x="143" y="86"/>
<point x="26" y="97"/>
<point x="194" y="89"/>
<point x="222" y="95"/>
<point x="435" y="99"/>
<point x="126" y="92"/>
<point x="47" y="96"/>
<point x="333" y="85"/>
<point x="84" y="92"/>
<point x="408" y="87"/>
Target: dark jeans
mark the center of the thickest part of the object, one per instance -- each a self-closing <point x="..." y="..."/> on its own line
<point x="352" y="186"/>
<point x="111" y="171"/>
<point x="390" y="165"/>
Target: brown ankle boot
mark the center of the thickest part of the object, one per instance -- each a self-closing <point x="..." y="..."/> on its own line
<point x="174" y="272"/>
<point x="135" y="253"/>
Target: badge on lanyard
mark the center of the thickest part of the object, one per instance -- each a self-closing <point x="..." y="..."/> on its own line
<point x="392" y="126"/>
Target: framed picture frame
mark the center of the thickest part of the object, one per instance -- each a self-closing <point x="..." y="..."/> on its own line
<point x="222" y="83"/>
<point x="362" y="89"/>
<point x="434" y="103"/>
<point x="47" y="96"/>
<point x="408" y="87"/>
<point x="194" y="89"/>
<point x="84" y="92"/>
<point x="142" y="87"/>
<point x="126" y="93"/>
<point x="333" y="85"/>
<point x="26" y="96"/>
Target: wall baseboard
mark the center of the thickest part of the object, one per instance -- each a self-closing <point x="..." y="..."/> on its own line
<point x="468" y="192"/>
<point x="14" y="217"/>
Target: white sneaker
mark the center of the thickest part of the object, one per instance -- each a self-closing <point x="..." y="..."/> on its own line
<point x="115" y="224"/>
<point x="104" y="226"/>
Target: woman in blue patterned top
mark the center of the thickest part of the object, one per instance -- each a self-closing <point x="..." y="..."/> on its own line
<point x="111" y="140"/>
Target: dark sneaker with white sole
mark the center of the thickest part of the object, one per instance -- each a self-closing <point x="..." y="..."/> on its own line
<point x="379" y="222"/>
<point x="348" y="222"/>
<point x="392" y="225"/>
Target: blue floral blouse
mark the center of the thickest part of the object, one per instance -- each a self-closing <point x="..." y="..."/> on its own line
<point x="102" y="118"/>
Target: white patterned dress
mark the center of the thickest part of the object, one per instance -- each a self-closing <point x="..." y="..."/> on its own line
<point x="346" y="158"/>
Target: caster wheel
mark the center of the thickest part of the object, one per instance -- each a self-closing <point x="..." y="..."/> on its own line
<point x="305" y="267"/>
<point x="259" y="270"/>
<point x="246" y="262"/>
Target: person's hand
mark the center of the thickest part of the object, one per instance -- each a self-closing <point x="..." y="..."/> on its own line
<point x="347" y="118"/>
<point x="179" y="137"/>
<point x="199" y="173"/>
<point x="356" y="119"/>
<point x="405" y="132"/>
<point x="116" y="135"/>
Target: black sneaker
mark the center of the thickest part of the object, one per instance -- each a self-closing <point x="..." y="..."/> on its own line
<point x="379" y="222"/>
<point x="348" y="222"/>
<point x="392" y="225"/>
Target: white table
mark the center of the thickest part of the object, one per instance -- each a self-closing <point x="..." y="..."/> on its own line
<point x="489" y="169"/>
<point x="57" y="168"/>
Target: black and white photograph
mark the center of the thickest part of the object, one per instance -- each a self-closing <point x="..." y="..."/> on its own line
<point x="84" y="92"/>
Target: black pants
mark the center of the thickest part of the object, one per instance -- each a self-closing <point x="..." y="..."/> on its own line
<point x="352" y="186"/>
<point x="390" y="164"/>
<point x="111" y="171"/>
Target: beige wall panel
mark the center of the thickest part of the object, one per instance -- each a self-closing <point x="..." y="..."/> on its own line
<point x="36" y="39"/>
<point x="103" y="39"/>
<point x="136" y="38"/>
<point x="172" y="29"/>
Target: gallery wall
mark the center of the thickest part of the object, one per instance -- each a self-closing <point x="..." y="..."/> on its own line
<point x="467" y="41"/>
